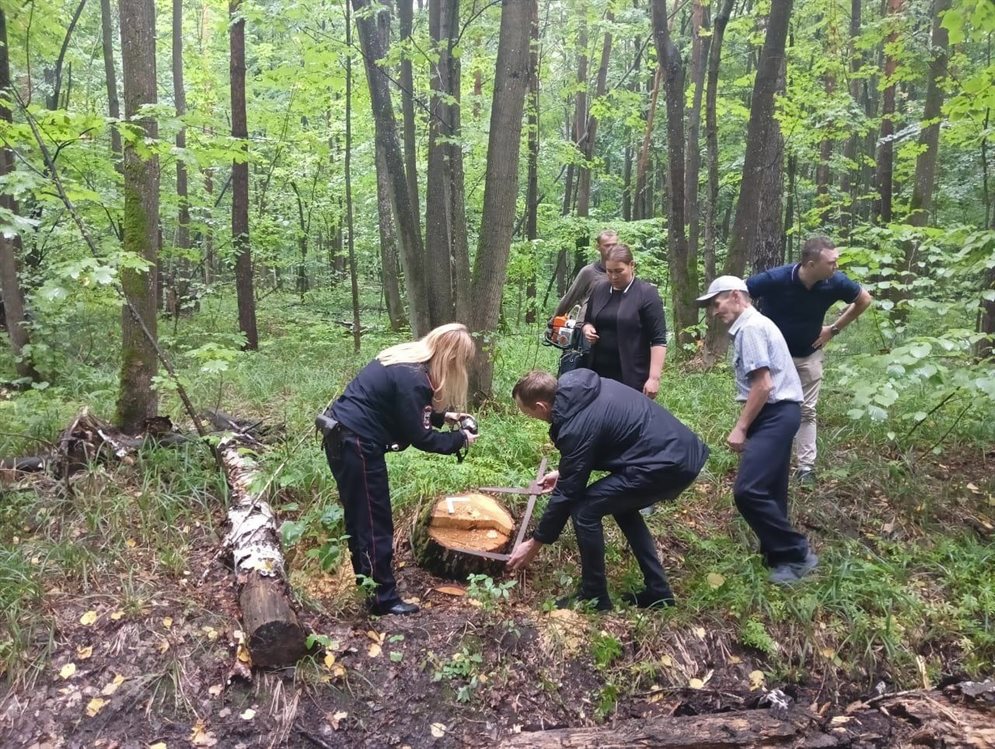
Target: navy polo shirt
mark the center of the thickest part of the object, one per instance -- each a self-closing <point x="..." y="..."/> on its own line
<point x="797" y="311"/>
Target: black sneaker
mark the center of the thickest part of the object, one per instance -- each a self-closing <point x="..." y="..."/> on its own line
<point x="597" y="603"/>
<point x="646" y="600"/>
<point x="400" y="608"/>
<point x="805" y="476"/>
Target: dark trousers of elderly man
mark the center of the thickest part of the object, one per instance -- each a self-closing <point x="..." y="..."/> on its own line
<point x="761" y="488"/>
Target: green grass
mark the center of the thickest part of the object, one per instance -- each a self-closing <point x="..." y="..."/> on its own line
<point x="903" y="578"/>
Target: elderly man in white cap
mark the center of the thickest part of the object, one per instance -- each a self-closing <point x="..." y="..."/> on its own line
<point x="768" y="386"/>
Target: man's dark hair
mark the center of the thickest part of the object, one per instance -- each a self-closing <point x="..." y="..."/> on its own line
<point x="619" y="253"/>
<point x="815" y="246"/>
<point x="535" y="386"/>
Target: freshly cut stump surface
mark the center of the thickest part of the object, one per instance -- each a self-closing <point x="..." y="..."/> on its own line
<point x="473" y="521"/>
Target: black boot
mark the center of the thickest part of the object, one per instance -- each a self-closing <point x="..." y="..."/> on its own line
<point x="401" y="608"/>
<point x="644" y="599"/>
<point x="597" y="603"/>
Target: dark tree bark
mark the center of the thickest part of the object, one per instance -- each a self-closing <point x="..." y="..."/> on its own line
<point x="113" y="106"/>
<point x="511" y="79"/>
<point x="885" y="151"/>
<point x="54" y="99"/>
<point x="137" y="400"/>
<point x="761" y="133"/>
<point x="240" y="182"/>
<point x="210" y="263"/>
<point x="388" y="248"/>
<point x="12" y="305"/>
<point x="373" y="29"/>
<point x="580" y="106"/>
<point x="683" y="272"/>
<point x="588" y="137"/>
<point x="850" y="176"/>
<point x="532" y="180"/>
<point x="699" y="56"/>
<point x="642" y="200"/>
<point x="183" y="207"/>
<point x="929" y="137"/>
<point x="712" y="138"/>
<point x="350" y="223"/>
<point x="405" y="15"/>
<point x="823" y="175"/>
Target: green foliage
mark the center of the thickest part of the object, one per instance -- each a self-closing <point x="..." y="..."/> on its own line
<point x="489" y="594"/>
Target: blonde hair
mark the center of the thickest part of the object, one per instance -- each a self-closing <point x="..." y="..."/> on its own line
<point x="448" y="350"/>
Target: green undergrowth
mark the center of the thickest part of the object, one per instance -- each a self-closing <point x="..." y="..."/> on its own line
<point x="904" y="592"/>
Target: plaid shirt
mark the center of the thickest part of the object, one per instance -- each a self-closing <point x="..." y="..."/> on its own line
<point x="757" y="343"/>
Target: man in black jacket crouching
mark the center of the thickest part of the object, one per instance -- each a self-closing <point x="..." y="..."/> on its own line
<point x="602" y="425"/>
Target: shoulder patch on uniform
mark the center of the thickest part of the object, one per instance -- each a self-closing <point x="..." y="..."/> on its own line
<point x="427" y="417"/>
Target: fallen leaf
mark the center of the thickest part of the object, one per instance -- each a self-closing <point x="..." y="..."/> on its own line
<point x="696" y="683"/>
<point x="158" y="745"/>
<point x="735" y="659"/>
<point x="335" y="719"/>
<point x="211" y="632"/>
<point x="376" y="637"/>
<point x="163" y="645"/>
<point x="167" y="621"/>
<point x="375" y="650"/>
<point x="757" y="680"/>
<point x="715" y="580"/>
<point x="974" y="489"/>
<point x="249" y="714"/>
<point x="200" y="736"/>
<point x="131" y="543"/>
<point x="117" y="615"/>
<point x="438" y="730"/>
<point x="215" y="690"/>
<point x="88" y="618"/>
<point x="329" y="660"/>
<point x="112" y="686"/>
<point x="84" y="653"/>
<point x="666" y="661"/>
<point x="67" y="671"/>
<point x="699" y="632"/>
<point x="451" y="590"/>
<point x="827" y="653"/>
<point x="94" y="706"/>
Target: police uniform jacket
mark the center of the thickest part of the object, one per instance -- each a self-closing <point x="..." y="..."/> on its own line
<point x="393" y="405"/>
<point x="602" y="425"/>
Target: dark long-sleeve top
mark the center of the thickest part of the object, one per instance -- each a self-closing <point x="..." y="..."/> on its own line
<point x="393" y="405"/>
<point x="602" y="425"/>
<point x="640" y="325"/>
<point x="580" y="289"/>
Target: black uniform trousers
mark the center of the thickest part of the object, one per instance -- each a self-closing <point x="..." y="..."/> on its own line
<point x="761" y="488"/>
<point x="622" y="495"/>
<point x="361" y="474"/>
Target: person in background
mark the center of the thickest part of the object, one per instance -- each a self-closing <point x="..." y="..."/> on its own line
<point x="587" y="277"/>
<point x="625" y="326"/>
<point x="796" y="297"/>
<point x="601" y="425"/>
<point x="768" y="387"/>
<point x="393" y="402"/>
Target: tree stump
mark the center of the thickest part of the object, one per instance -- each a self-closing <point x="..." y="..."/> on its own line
<point x="453" y="527"/>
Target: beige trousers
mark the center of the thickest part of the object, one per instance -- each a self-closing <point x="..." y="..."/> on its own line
<point x="810" y="373"/>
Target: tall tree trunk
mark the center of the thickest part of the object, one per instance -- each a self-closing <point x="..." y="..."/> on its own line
<point x="532" y="181"/>
<point x="699" y="56"/>
<point x="240" y="182"/>
<point x="210" y="263"/>
<point x="683" y="273"/>
<point x="462" y="280"/>
<point x="929" y="135"/>
<point x="110" y="74"/>
<point x="356" y="332"/>
<point x="823" y="175"/>
<point x="10" y="244"/>
<point x="511" y="79"/>
<point x="849" y="177"/>
<point x="642" y="206"/>
<point x="373" y="28"/>
<point x="712" y="138"/>
<point x="588" y="137"/>
<point x="183" y="207"/>
<point x="580" y="110"/>
<point x="761" y="131"/>
<point x="54" y="99"/>
<point x="405" y="15"/>
<point x="388" y="248"/>
<point x="137" y="400"/>
<point x="885" y="151"/>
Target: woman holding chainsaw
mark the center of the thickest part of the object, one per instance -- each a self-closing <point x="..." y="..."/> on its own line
<point x="394" y="401"/>
<point x="625" y="326"/>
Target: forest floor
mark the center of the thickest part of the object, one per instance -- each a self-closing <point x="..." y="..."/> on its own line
<point x="140" y="652"/>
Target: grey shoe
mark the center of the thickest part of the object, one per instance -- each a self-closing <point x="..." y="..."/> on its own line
<point x="805" y="476"/>
<point x="647" y="511"/>
<point x="789" y="573"/>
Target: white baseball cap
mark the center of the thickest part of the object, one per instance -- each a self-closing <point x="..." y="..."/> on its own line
<point x="720" y="284"/>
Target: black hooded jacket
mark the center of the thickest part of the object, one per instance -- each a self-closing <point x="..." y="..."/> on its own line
<point x="602" y="425"/>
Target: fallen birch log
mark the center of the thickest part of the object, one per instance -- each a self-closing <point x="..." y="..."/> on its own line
<point x="274" y="635"/>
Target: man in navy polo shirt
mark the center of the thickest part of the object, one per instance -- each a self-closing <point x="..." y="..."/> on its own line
<point x="797" y="297"/>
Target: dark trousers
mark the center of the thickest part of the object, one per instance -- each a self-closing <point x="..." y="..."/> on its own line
<point x="622" y="495"/>
<point x="361" y="474"/>
<point x="761" y="488"/>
